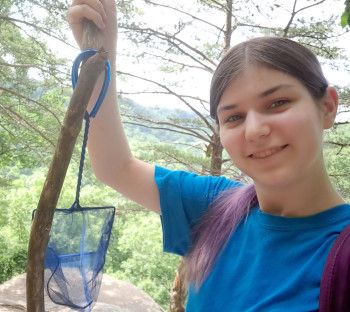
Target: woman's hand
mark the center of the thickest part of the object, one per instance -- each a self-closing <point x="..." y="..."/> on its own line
<point x="102" y="13"/>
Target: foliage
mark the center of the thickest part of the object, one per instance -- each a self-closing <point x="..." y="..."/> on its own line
<point x="129" y="256"/>
<point x="31" y="99"/>
<point x="337" y="151"/>
<point x="17" y="200"/>
<point x="144" y="263"/>
<point x="12" y="265"/>
<point x="345" y="18"/>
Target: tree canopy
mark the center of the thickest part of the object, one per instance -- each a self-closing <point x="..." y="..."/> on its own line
<point x="185" y="49"/>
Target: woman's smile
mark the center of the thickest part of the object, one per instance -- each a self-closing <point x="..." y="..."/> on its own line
<point x="267" y="152"/>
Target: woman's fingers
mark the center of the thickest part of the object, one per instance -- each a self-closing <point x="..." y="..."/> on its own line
<point x="102" y="13"/>
<point x="90" y="9"/>
<point x="94" y="4"/>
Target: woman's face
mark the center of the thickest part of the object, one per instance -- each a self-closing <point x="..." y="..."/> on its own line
<point x="271" y="127"/>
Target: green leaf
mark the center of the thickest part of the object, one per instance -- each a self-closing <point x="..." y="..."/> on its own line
<point x="345" y="19"/>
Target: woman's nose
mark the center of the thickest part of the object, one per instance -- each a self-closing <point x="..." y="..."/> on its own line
<point x="256" y="126"/>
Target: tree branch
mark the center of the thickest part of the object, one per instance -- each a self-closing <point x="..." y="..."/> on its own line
<point x="23" y="122"/>
<point x="31" y="100"/>
<point x="175" y="42"/>
<point x="183" y="65"/>
<point x="337" y="143"/>
<point x="17" y="138"/>
<point x="184" y="13"/>
<point x="46" y="31"/>
<point x="174" y="94"/>
<point x="37" y="66"/>
<point x="211" y="2"/>
<point x="196" y="98"/>
<point x="294" y="13"/>
<point x="172" y="156"/>
<point x="186" y="131"/>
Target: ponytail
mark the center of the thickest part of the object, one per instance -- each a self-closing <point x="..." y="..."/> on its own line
<point x="214" y="230"/>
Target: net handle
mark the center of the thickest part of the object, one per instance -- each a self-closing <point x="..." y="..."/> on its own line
<point x="83" y="56"/>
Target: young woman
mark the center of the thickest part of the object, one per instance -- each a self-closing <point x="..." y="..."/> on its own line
<point x="260" y="247"/>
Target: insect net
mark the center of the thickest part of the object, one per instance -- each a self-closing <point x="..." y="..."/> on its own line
<point x="79" y="239"/>
<point x="75" y="255"/>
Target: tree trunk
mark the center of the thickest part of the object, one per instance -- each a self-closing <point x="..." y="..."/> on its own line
<point x="216" y="147"/>
<point x="228" y="26"/>
<point x="214" y="151"/>
<point x="216" y="156"/>
<point x="178" y="293"/>
<point x="42" y="222"/>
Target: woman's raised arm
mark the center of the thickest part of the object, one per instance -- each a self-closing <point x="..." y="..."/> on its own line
<point x="109" y="151"/>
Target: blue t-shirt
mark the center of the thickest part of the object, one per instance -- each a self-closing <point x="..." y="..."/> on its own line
<point x="270" y="263"/>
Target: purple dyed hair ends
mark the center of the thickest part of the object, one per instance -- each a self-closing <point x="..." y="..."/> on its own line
<point x="215" y="229"/>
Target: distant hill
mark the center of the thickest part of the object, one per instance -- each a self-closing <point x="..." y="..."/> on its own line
<point x="146" y="131"/>
<point x="157" y="113"/>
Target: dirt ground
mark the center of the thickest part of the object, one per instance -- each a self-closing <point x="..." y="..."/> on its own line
<point x="115" y="295"/>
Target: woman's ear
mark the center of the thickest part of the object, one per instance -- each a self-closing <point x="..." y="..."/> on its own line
<point x="329" y="107"/>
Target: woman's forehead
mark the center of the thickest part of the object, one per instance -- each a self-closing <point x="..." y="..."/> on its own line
<point x="260" y="81"/>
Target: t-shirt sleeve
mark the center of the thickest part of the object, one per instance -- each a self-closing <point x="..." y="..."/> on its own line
<point x="184" y="197"/>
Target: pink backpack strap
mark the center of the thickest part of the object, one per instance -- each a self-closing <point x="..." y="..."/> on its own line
<point x="335" y="282"/>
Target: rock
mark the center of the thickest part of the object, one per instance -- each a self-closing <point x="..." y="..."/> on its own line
<point x="115" y="295"/>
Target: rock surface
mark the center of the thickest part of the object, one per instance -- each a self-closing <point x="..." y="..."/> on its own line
<point x="115" y="295"/>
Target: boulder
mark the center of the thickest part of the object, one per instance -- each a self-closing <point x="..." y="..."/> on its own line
<point x="115" y="295"/>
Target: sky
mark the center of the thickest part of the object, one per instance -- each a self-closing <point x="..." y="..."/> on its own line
<point x="200" y="82"/>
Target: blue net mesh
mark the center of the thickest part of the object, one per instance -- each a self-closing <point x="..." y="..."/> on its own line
<point x="75" y="255"/>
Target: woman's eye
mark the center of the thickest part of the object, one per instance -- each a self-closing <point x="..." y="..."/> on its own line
<point x="234" y="118"/>
<point x="278" y="103"/>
